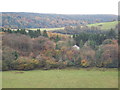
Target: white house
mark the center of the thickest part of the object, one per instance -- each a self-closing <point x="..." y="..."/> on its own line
<point x="76" y="47"/>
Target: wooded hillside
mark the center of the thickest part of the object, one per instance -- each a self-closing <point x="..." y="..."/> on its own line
<point x="37" y="20"/>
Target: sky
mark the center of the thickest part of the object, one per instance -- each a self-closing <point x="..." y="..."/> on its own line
<point x="61" y="6"/>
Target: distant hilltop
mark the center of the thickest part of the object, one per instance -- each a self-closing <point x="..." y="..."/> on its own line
<point x="38" y="20"/>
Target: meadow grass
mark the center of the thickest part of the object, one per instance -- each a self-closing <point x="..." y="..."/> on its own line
<point x="105" y="25"/>
<point x="65" y="78"/>
<point x="47" y="29"/>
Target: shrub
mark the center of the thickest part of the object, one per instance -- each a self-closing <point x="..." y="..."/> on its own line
<point x="70" y="63"/>
<point x="84" y="63"/>
<point x="7" y="65"/>
<point x="50" y="64"/>
<point x="78" y="62"/>
<point x="9" y="54"/>
<point x="4" y="66"/>
<point x="25" y="64"/>
<point x="61" y="64"/>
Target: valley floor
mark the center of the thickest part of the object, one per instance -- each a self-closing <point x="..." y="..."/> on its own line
<point x="65" y="78"/>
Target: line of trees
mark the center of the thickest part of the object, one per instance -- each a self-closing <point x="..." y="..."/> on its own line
<point x="31" y="33"/>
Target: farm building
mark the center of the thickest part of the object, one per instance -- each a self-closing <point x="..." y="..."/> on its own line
<point x="76" y="47"/>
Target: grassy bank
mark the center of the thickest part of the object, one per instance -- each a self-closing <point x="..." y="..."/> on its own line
<point x="105" y="25"/>
<point x="66" y="78"/>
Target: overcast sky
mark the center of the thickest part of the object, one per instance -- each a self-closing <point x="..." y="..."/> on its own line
<point x="61" y="6"/>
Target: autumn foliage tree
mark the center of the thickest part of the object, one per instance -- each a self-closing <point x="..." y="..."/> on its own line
<point x="108" y="55"/>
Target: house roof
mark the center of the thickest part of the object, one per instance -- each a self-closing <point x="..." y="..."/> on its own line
<point x="77" y="47"/>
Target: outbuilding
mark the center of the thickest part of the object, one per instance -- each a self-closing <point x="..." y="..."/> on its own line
<point x="76" y="47"/>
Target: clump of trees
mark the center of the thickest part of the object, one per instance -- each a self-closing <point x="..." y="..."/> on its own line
<point x="24" y="51"/>
<point x="94" y="39"/>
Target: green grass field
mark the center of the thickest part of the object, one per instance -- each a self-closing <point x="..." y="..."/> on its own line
<point x="66" y="78"/>
<point x="42" y="29"/>
<point x="105" y="25"/>
<point x="47" y="29"/>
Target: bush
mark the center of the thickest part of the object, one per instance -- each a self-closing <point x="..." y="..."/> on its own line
<point x="62" y="65"/>
<point x="25" y="64"/>
<point x="4" y="66"/>
<point x="84" y="63"/>
<point x="70" y="63"/>
<point x="9" y="54"/>
<point x="7" y="65"/>
<point x="50" y="64"/>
